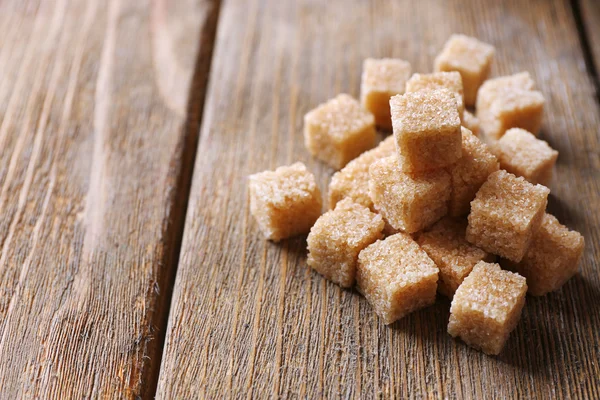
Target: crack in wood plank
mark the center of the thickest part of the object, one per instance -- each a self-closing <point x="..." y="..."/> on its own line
<point x="87" y="288"/>
<point x="587" y="18"/>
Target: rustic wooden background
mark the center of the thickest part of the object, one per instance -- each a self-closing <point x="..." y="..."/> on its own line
<point x="110" y="110"/>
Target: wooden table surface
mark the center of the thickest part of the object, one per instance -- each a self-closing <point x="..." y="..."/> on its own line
<point x="129" y="263"/>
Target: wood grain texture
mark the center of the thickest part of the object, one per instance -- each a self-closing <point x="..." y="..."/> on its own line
<point x="590" y="13"/>
<point x="249" y="319"/>
<point x="590" y="16"/>
<point x="94" y="98"/>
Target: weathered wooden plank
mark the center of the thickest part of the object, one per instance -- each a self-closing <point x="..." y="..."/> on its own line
<point x="590" y="14"/>
<point x="94" y="98"/>
<point x="248" y="317"/>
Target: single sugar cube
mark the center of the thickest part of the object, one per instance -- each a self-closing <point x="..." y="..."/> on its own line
<point x="353" y="180"/>
<point x="285" y="202"/>
<point x="339" y="130"/>
<point x="522" y="154"/>
<point x="446" y="245"/>
<point x="505" y="215"/>
<point x="469" y="173"/>
<point x="493" y="88"/>
<point x="382" y="79"/>
<point x="439" y="80"/>
<point x="338" y="236"/>
<point x="427" y="129"/>
<point x="513" y="109"/>
<point x="408" y="202"/>
<point x="509" y="102"/>
<point x="552" y="257"/>
<point x="471" y="58"/>
<point x="471" y="122"/>
<point x="396" y="277"/>
<point x="486" y="307"/>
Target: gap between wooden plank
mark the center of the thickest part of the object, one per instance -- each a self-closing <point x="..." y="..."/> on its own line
<point x="585" y="31"/>
<point x="98" y="144"/>
<point x="179" y="203"/>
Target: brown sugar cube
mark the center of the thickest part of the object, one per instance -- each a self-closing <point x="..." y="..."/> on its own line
<point x="446" y="245"/>
<point x="471" y="122"/>
<point x="487" y="307"/>
<point x="522" y="154"/>
<point x="509" y="102"/>
<point x="382" y="79"/>
<point x="285" y="202"/>
<point x="408" y="202"/>
<point x="353" y="180"/>
<point x="339" y="130"/>
<point x="338" y="236"/>
<point x="396" y="277"/>
<point x="439" y="80"/>
<point x="427" y="129"/>
<point x="469" y="56"/>
<point x="492" y="88"/>
<point x="469" y="173"/>
<point x="514" y="109"/>
<point x="505" y="214"/>
<point x="552" y="257"/>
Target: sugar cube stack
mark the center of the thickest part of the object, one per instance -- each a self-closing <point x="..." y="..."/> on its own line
<point x="338" y="236"/>
<point x="396" y="277"/>
<point x="487" y="307"/>
<point x="382" y="79"/>
<point x="339" y="130"/>
<point x="509" y="102"/>
<point x="432" y="206"/>
<point x="285" y="202"/>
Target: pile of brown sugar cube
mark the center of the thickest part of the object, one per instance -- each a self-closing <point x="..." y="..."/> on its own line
<point x="433" y="207"/>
